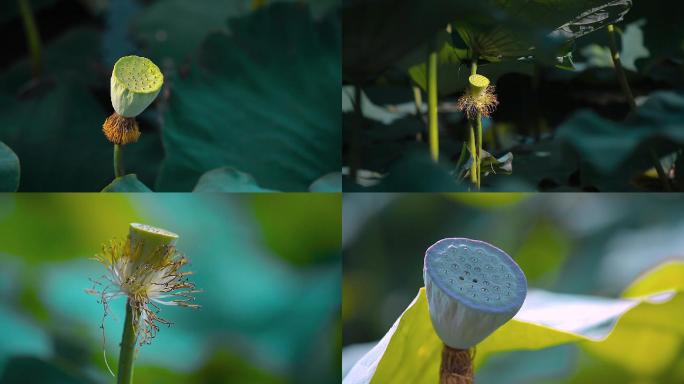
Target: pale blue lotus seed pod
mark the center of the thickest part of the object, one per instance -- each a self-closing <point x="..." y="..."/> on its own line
<point x="135" y="83"/>
<point x="472" y="289"/>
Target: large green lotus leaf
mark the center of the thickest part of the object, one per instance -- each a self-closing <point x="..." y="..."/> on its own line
<point x="383" y="144"/>
<point x="543" y="166"/>
<point x="263" y="100"/>
<point x="72" y="56"/>
<point x="332" y="182"/>
<point x="664" y="277"/>
<point x="9" y="169"/>
<point x="414" y="172"/>
<point x="614" y="152"/>
<point x="48" y="132"/>
<point x="662" y="31"/>
<point x="411" y="350"/>
<point x="511" y="34"/>
<point x="648" y="339"/>
<point x="226" y="179"/>
<point x="520" y="28"/>
<point x="127" y="183"/>
<point x="453" y="72"/>
<point x="377" y="33"/>
<point x="605" y="328"/>
<point x="171" y="31"/>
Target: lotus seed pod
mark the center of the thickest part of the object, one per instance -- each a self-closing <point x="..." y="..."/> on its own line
<point x="472" y="289"/>
<point x="135" y="83"/>
<point x="148" y="243"/>
<point x="478" y="84"/>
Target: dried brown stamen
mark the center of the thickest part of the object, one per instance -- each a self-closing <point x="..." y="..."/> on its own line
<point x="457" y="366"/>
<point x="120" y="129"/>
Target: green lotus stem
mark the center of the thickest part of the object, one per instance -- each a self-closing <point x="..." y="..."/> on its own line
<point x="475" y="168"/>
<point x="418" y="102"/>
<point x="118" y="161"/>
<point x="355" y="159"/>
<point x="478" y="121"/>
<point x="461" y="156"/>
<point x="471" y="146"/>
<point x="32" y="36"/>
<point x="619" y="71"/>
<point x="126" y="355"/>
<point x="624" y="84"/>
<point x="257" y="4"/>
<point x="433" y="128"/>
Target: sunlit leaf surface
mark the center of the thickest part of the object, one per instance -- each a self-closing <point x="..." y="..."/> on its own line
<point x="640" y="334"/>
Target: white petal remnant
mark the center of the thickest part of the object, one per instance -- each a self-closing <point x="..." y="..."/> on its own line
<point x="145" y="267"/>
<point x="472" y="288"/>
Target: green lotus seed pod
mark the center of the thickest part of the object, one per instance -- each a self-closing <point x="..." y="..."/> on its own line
<point x="148" y="243"/>
<point x="478" y="84"/>
<point x="135" y="83"/>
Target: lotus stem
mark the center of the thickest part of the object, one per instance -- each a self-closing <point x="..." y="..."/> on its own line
<point x="32" y="36"/>
<point x="118" y="161"/>
<point x="624" y="84"/>
<point x="127" y="353"/>
<point x="433" y="126"/>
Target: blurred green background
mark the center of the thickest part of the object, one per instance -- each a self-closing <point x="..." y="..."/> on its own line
<point x="252" y="85"/>
<point x="269" y="266"/>
<point x="567" y="243"/>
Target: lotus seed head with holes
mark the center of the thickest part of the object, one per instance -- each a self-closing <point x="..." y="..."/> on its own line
<point x="478" y="84"/>
<point x="472" y="289"/>
<point x="149" y="239"/>
<point x="135" y="83"/>
<point x="146" y="268"/>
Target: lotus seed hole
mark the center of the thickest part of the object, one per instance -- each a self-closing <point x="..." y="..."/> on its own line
<point x="461" y="277"/>
<point x="474" y="280"/>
